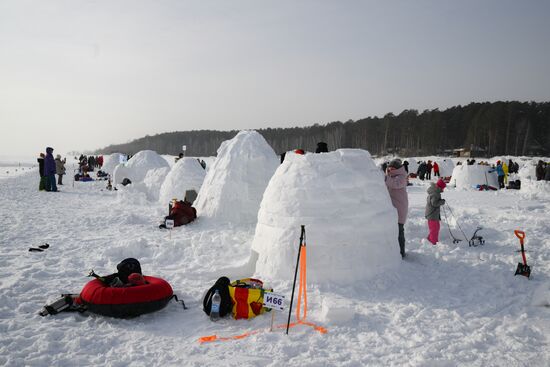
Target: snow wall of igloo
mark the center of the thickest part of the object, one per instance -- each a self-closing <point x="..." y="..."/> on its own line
<point x="186" y="174"/>
<point x="234" y="184"/>
<point x="110" y="162"/>
<point x="137" y="167"/>
<point x="469" y="176"/>
<point x="341" y="198"/>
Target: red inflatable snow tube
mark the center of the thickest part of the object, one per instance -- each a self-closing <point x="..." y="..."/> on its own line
<point x="126" y="302"/>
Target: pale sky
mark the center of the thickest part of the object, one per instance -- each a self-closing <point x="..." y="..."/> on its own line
<point x="80" y="75"/>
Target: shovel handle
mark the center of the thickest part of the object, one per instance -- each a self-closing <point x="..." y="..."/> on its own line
<point x="520" y="234"/>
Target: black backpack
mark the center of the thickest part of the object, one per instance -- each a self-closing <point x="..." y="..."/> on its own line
<point x="127" y="267"/>
<point x="222" y="285"/>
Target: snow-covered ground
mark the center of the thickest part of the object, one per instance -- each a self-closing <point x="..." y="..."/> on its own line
<point x="11" y="166"/>
<point x="444" y="305"/>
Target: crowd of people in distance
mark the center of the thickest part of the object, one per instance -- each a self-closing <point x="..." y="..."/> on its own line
<point x="89" y="163"/>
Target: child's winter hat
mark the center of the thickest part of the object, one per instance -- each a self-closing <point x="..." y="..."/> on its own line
<point x="441" y="184"/>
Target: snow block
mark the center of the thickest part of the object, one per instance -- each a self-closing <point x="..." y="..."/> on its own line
<point x="337" y="311"/>
<point x="351" y="225"/>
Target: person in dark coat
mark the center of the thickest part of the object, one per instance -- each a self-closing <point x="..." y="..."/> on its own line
<point x="421" y="171"/>
<point x="547" y="172"/>
<point x="49" y="170"/>
<point x="40" y="160"/>
<point x="540" y="170"/>
<point x="322" y="147"/>
<point x="429" y="167"/>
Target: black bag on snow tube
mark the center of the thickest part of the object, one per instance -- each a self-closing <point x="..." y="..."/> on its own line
<point x="127" y="267"/>
<point x="222" y="285"/>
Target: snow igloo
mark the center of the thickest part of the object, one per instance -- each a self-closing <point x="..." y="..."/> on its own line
<point x="446" y="167"/>
<point x="186" y="174"/>
<point x="137" y="167"/>
<point x="468" y="177"/>
<point x="110" y="162"/>
<point x="233" y="187"/>
<point x="341" y="198"/>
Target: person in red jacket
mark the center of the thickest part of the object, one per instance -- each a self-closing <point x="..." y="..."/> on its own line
<point x="181" y="213"/>
<point x="436" y="169"/>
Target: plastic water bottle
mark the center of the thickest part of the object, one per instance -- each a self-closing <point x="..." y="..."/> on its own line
<point x="215" y="308"/>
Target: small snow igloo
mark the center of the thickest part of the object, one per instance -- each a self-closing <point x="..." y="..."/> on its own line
<point x="137" y="167"/>
<point x="470" y="176"/>
<point x="111" y="161"/>
<point x="233" y="187"/>
<point x="186" y="174"/>
<point x="341" y="198"/>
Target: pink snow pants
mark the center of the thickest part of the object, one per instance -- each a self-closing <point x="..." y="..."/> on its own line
<point x="433" y="225"/>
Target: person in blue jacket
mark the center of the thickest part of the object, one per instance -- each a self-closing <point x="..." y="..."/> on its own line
<point x="49" y="170"/>
<point x="500" y="173"/>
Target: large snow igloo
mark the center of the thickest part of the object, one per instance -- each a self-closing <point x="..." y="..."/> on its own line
<point x="341" y="198"/>
<point x="137" y="167"/>
<point x="468" y="177"/>
<point x="233" y="187"/>
<point x="186" y="174"/>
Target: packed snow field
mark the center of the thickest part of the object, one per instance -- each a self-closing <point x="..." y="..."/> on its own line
<point x="443" y="305"/>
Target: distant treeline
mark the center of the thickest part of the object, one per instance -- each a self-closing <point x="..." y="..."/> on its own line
<point x="488" y="129"/>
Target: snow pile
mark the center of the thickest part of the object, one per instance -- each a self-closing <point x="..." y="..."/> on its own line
<point x="110" y="162"/>
<point x="186" y="174"/>
<point x="137" y="167"/>
<point x="234" y="185"/>
<point x="342" y="200"/>
<point x="467" y="177"/>
<point x="528" y="171"/>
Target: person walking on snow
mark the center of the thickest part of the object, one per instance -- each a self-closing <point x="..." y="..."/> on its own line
<point x="396" y="182"/>
<point x="49" y="170"/>
<point x="433" y="210"/>
<point x="59" y="169"/>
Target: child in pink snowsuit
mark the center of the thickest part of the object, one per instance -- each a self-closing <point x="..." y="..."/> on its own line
<point x="433" y="205"/>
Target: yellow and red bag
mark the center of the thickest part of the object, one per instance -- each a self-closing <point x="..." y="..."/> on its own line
<point x="247" y="296"/>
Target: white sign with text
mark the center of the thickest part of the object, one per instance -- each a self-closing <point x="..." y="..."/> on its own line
<point x="274" y="301"/>
<point x="169" y="223"/>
